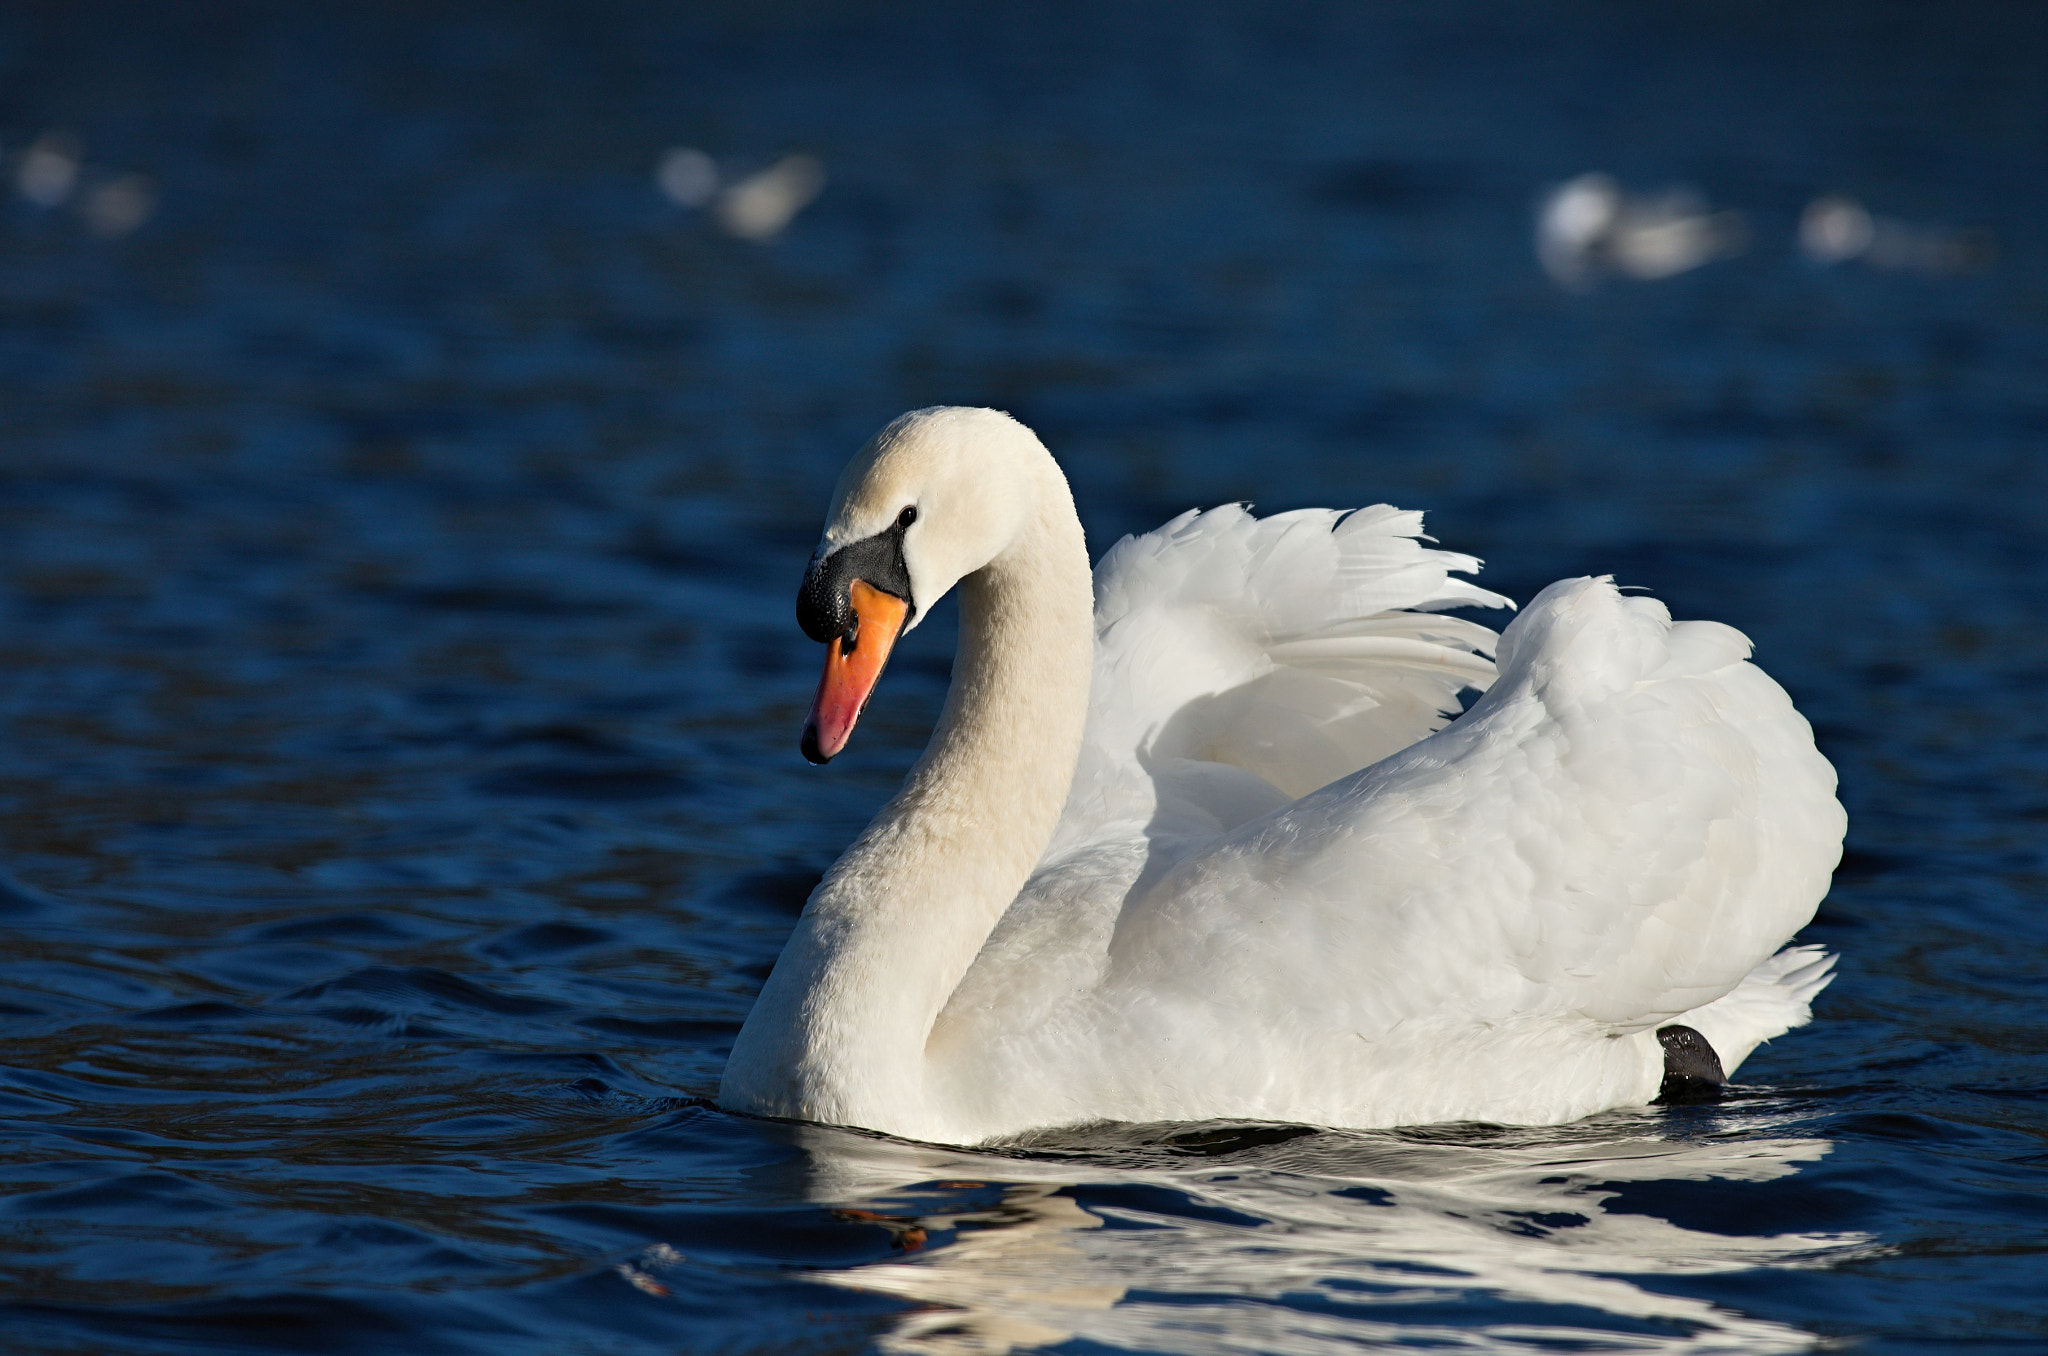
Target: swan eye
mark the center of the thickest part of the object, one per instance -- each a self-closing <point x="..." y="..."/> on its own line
<point x="907" y="517"/>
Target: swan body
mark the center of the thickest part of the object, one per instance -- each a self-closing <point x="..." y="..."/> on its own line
<point x="1201" y="840"/>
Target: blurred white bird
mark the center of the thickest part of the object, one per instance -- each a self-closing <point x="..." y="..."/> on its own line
<point x="1589" y="226"/>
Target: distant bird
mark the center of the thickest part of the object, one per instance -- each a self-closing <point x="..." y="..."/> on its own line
<point x="1588" y="226"/>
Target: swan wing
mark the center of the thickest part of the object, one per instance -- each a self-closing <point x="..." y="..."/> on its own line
<point x="1241" y="662"/>
<point x="1629" y="822"/>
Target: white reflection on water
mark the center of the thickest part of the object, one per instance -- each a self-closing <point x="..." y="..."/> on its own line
<point x="1318" y="1244"/>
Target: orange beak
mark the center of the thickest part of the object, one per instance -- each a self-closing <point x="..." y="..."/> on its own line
<point x="852" y="666"/>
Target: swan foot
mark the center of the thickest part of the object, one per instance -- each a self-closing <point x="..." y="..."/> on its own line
<point x="1692" y="1071"/>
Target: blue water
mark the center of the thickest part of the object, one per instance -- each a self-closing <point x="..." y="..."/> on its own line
<point x="399" y="692"/>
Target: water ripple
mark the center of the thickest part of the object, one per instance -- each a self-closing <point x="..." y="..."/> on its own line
<point x="399" y="695"/>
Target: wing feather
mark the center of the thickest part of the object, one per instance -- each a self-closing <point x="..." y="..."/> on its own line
<point x="1296" y="648"/>
<point x="1629" y="822"/>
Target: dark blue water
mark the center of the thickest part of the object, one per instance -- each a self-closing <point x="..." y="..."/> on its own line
<point x="399" y="797"/>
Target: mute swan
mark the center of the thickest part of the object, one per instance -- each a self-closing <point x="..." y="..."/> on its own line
<point x="1191" y="844"/>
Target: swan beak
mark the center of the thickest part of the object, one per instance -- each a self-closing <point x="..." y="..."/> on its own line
<point x="853" y="662"/>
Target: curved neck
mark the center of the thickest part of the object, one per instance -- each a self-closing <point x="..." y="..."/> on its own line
<point x="839" y="1032"/>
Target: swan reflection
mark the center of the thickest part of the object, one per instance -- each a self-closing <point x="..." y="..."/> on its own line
<point x="1469" y="1239"/>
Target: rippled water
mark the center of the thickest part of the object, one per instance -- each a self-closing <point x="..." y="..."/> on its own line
<point x="399" y="691"/>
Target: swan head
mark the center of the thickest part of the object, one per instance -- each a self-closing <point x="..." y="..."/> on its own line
<point x="932" y="498"/>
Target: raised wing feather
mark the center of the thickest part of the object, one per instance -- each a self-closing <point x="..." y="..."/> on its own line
<point x="1296" y="648"/>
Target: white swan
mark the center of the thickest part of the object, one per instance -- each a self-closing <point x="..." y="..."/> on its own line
<point x="1241" y="877"/>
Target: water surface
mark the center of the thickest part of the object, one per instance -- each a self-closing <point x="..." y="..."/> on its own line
<point x="399" y="689"/>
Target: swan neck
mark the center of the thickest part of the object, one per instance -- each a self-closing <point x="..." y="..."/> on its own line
<point x="897" y="921"/>
<point x="1010" y="730"/>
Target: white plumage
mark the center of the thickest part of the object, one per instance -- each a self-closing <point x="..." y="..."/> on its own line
<point x="1278" y="884"/>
